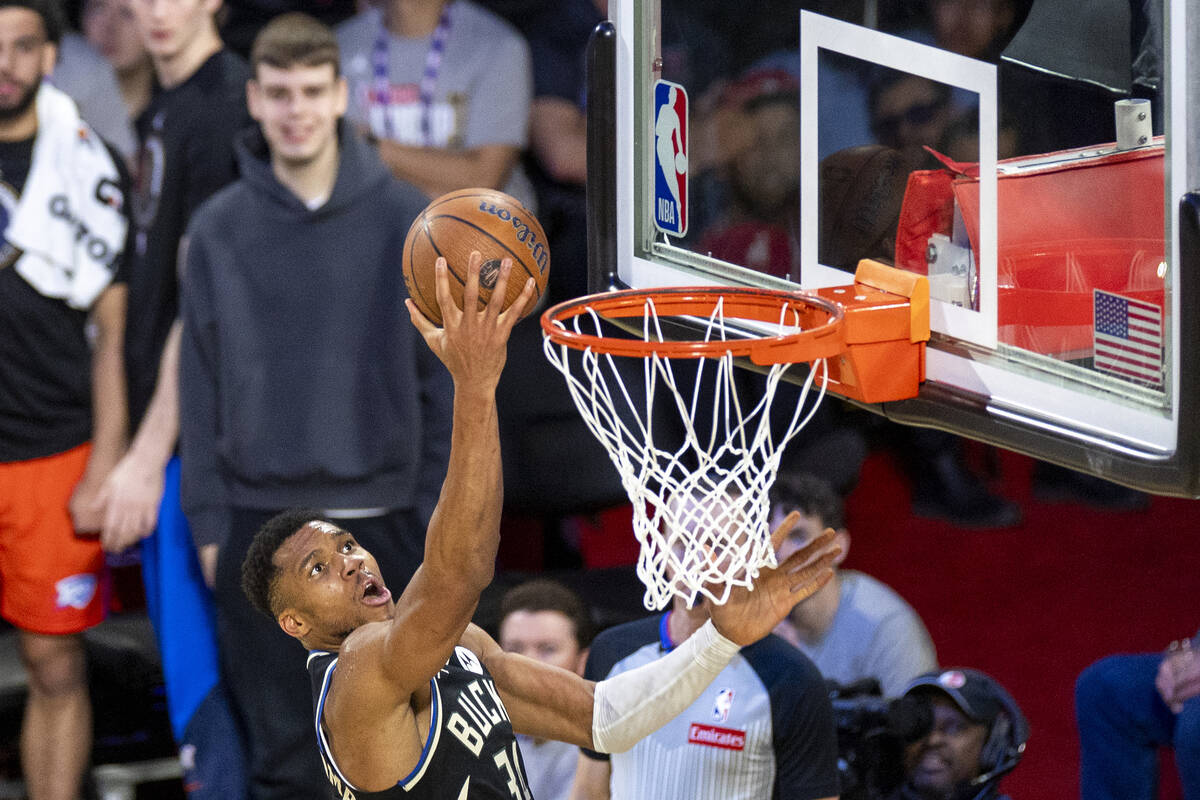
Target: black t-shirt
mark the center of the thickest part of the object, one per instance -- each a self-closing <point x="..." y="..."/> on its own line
<point x="185" y="155"/>
<point x="471" y="751"/>
<point x="45" y="358"/>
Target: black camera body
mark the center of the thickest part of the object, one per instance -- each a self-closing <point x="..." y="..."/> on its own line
<point x="872" y="733"/>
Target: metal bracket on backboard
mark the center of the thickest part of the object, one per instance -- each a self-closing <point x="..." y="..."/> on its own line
<point x="886" y="326"/>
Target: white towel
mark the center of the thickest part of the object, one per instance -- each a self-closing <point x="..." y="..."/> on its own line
<point x="69" y="223"/>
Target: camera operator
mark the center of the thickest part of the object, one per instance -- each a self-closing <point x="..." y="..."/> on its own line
<point x="977" y="737"/>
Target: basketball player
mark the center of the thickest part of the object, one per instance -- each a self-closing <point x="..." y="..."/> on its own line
<point x="413" y="700"/>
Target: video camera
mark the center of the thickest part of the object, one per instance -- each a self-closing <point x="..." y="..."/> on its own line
<point x="872" y="733"/>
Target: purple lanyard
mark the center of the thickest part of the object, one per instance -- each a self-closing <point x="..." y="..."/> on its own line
<point x="433" y="65"/>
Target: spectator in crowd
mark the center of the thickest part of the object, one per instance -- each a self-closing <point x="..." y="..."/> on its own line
<point x="185" y="154"/>
<point x="110" y="27"/>
<point x="294" y="297"/>
<point x="944" y="485"/>
<point x="62" y="406"/>
<point x="544" y="620"/>
<point x="1130" y="706"/>
<point x="854" y="628"/>
<point x="760" y="226"/>
<point x="763" y="727"/>
<point x="978" y="736"/>
<point x="909" y="113"/>
<point x="90" y="80"/>
<point x="442" y="87"/>
<point x="960" y="140"/>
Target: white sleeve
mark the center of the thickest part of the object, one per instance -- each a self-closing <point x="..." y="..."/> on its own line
<point x="633" y="704"/>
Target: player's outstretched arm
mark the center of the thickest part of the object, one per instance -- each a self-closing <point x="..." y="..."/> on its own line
<point x="612" y="715"/>
<point x="464" y="532"/>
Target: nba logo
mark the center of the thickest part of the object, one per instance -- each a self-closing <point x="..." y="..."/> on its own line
<point x="670" y="158"/>
<point x="721" y="707"/>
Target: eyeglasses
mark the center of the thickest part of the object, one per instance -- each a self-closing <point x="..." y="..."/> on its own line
<point x="887" y="127"/>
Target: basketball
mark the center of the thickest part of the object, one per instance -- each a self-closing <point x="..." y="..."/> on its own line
<point x="861" y="190"/>
<point x="492" y="222"/>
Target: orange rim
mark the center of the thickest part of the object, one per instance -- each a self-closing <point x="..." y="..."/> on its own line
<point x="820" y="320"/>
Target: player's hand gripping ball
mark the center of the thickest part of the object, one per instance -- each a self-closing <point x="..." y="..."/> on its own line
<point x="492" y="222"/>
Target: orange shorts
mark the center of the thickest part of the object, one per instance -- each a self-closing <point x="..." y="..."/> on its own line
<point x="50" y="579"/>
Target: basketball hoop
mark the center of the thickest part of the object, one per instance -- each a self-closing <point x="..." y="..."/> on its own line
<point x="700" y="508"/>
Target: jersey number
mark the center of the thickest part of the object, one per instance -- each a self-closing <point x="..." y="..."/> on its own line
<point x="511" y="767"/>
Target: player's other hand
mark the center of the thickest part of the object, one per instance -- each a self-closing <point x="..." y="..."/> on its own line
<point x="747" y="616"/>
<point x="472" y="341"/>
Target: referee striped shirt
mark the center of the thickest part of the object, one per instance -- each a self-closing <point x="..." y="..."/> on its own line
<point x="762" y="729"/>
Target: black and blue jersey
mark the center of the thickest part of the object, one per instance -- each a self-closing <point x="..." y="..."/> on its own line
<point x="470" y="753"/>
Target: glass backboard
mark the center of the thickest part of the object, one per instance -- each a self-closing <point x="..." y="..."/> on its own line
<point x="1045" y="194"/>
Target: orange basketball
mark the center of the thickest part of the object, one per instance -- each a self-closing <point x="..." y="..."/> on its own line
<point x="492" y="222"/>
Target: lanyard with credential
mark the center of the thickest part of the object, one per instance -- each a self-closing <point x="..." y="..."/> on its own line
<point x="433" y="65"/>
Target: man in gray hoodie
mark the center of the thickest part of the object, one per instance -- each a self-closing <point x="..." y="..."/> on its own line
<point x="302" y="380"/>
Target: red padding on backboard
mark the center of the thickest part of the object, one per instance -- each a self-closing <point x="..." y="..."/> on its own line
<point x="1064" y="230"/>
<point x="928" y="208"/>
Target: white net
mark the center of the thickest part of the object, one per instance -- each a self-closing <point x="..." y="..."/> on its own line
<point x="700" y="506"/>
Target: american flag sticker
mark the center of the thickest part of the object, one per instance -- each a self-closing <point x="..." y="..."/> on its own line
<point x="1128" y="338"/>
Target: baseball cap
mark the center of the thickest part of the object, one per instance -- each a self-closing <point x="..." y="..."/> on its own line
<point x="976" y="694"/>
<point x="757" y="84"/>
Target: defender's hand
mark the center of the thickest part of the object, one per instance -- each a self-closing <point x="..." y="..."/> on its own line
<point x="748" y="616"/>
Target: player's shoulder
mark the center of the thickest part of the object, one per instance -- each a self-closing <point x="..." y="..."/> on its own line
<point x="320" y="665"/>
<point x="319" y="661"/>
<point x="362" y="654"/>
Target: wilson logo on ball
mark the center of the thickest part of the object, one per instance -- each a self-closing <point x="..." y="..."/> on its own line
<point x="458" y="223"/>
<point x="525" y="235"/>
